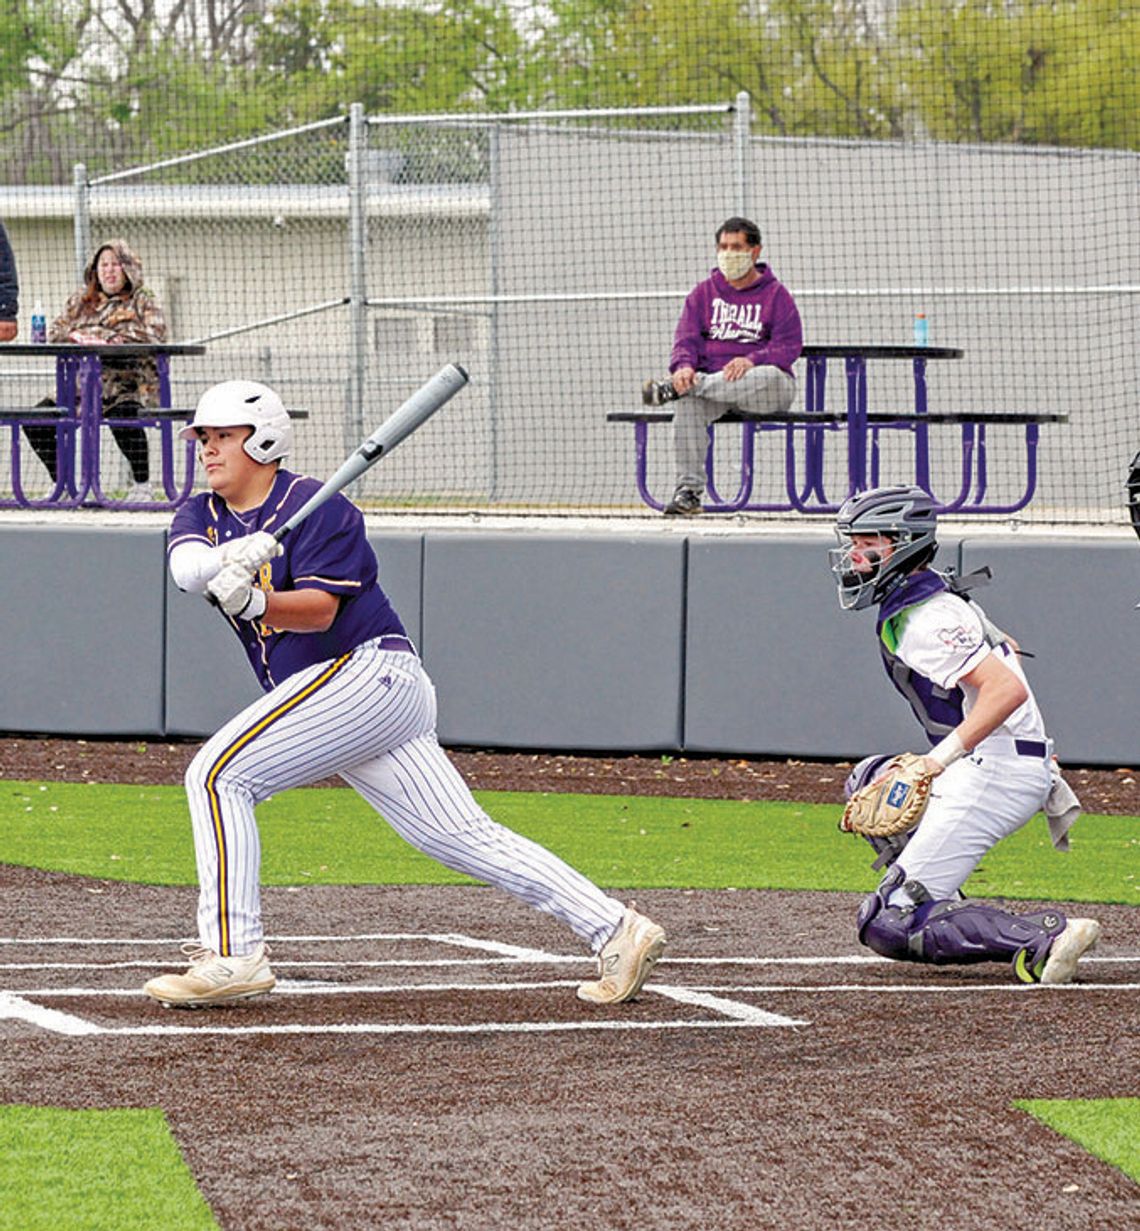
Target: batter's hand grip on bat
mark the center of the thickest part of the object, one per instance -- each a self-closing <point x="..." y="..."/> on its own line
<point x="426" y="400"/>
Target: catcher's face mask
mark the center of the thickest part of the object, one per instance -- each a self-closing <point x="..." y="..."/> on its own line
<point x="903" y="516"/>
<point x="858" y="564"/>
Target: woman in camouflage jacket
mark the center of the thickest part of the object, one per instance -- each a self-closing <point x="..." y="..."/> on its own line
<point x="113" y="306"/>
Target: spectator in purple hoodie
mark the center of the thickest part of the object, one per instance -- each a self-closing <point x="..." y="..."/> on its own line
<point x="733" y="349"/>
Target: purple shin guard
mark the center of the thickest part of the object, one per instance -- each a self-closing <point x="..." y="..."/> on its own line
<point x="955" y="933"/>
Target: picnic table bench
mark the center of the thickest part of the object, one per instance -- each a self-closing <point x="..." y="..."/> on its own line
<point x="806" y="433"/>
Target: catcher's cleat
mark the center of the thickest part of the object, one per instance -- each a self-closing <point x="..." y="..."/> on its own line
<point x="1079" y="936"/>
<point x="685" y="503"/>
<point x="658" y="392"/>
<point x="212" y="979"/>
<point x="626" y="962"/>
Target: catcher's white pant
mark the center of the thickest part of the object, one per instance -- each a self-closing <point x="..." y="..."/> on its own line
<point x="974" y="803"/>
<point x="369" y="717"/>
<point x="762" y="388"/>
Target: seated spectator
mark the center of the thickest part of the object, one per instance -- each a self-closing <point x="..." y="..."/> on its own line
<point x="113" y="306"/>
<point x="9" y="290"/>
<point x="733" y="349"/>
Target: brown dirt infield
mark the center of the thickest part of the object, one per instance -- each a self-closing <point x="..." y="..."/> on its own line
<point x="476" y="1092"/>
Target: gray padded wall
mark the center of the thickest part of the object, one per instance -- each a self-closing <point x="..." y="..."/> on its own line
<point x="1071" y="601"/>
<point x="772" y="663"/>
<point x="208" y="678"/>
<point x="540" y="641"/>
<point x="559" y="642"/>
<point x="82" y="629"/>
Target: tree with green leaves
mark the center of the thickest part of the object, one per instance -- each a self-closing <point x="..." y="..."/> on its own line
<point x="1060" y="73"/>
<point x="109" y="82"/>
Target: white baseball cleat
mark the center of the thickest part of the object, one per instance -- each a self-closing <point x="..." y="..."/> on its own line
<point x="212" y="979"/>
<point x="1079" y="936"/>
<point x="626" y="961"/>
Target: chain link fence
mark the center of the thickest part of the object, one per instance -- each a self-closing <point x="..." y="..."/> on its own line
<point x="549" y="253"/>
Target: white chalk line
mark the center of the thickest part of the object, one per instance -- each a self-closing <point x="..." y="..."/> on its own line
<point x="321" y="988"/>
<point x="534" y="957"/>
<point x="508" y="954"/>
<point x="156" y="963"/>
<point x="733" y="1009"/>
<point x="68" y="1024"/>
<point x="420" y="1029"/>
<point x="22" y="1008"/>
<point x="19" y="1009"/>
<point x="450" y="938"/>
<point x="713" y="998"/>
<point x="52" y="1020"/>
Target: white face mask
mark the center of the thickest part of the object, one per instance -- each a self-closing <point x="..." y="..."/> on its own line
<point x="734" y="264"/>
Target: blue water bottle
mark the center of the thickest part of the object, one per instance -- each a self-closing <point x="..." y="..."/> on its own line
<point x="39" y="324"/>
<point x="921" y="329"/>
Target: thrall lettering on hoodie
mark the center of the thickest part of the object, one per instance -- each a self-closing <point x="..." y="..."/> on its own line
<point x="735" y="321"/>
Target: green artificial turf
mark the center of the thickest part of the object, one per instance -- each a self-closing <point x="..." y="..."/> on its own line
<point x="112" y="1170"/>
<point x="329" y="835"/>
<point x="1108" y="1128"/>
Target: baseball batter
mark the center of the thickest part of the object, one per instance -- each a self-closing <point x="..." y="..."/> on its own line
<point x="993" y="760"/>
<point x="345" y="693"/>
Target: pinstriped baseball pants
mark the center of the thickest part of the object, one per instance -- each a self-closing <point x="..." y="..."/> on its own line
<point x="369" y="717"/>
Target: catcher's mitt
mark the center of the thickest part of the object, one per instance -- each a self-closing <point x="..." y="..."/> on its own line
<point x="893" y="803"/>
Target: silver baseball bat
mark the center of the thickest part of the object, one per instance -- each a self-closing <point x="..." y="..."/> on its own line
<point x="426" y="400"/>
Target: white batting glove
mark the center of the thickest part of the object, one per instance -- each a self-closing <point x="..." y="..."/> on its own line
<point x="251" y="551"/>
<point x="234" y="592"/>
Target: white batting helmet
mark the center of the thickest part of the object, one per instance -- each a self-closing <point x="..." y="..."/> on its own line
<point x="241" y="403"/>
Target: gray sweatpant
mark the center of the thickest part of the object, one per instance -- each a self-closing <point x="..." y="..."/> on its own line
<point x="762" y="388"/>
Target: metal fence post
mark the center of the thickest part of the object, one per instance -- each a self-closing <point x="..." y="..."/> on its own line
<point x="82" y="222"/>
<point x="741" y="136"/>
<point x="495" y="257"/>
<point x="358" y="289"/>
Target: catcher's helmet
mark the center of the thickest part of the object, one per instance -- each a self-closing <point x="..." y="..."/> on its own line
<point x="865" y="772"/>
<point x="241" y="403"/>
<point x="907" y="516"/>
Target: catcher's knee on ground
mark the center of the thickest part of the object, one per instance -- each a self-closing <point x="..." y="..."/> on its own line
<point x="950" y="932"/>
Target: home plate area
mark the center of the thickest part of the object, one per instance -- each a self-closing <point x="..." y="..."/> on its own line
<point x="373" y="983"/>
<point x="440" y="983"/>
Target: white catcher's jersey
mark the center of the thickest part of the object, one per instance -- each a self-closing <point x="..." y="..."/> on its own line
<point x="1005" y="779"/>
<point x="944" y="639"/>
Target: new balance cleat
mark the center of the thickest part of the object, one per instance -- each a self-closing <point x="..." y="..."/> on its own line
<point x="213" y="979"/>
<point x="626" y="961"/>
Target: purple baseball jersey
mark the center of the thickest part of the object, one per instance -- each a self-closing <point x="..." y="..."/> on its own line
<point x="327" y="551"/>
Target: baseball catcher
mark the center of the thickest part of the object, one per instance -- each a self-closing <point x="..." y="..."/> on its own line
<point x="931" y="817"/>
